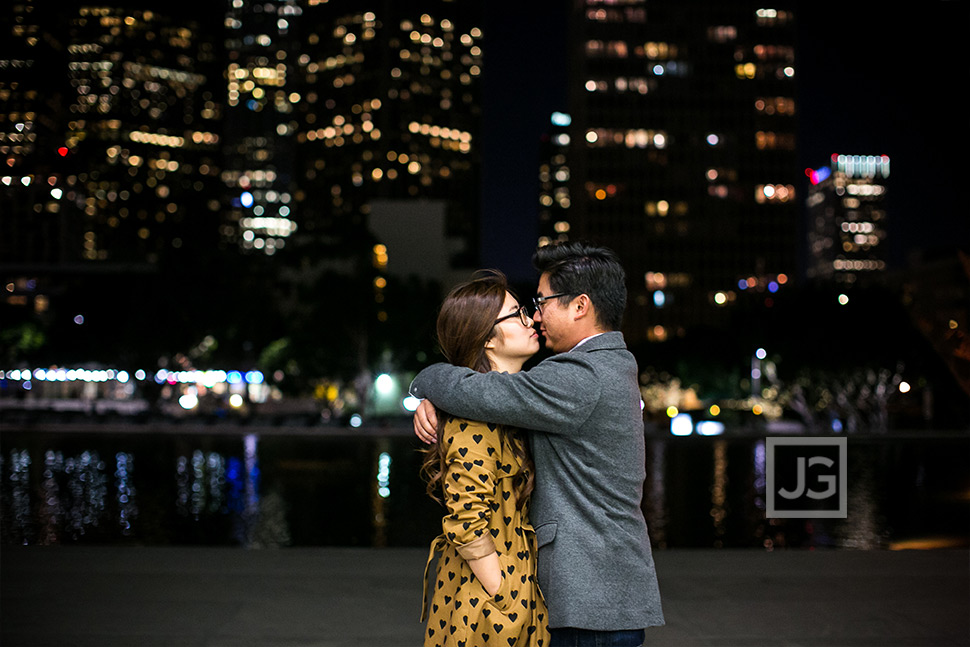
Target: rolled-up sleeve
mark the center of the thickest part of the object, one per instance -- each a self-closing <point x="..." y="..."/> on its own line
<point x="469" y="486"/>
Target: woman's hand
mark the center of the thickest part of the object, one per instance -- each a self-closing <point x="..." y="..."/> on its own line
<point x="426" y="423"/>
<point x="488" y="570"/>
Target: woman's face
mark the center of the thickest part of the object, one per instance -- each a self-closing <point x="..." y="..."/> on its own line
<point x="513" y="342"/>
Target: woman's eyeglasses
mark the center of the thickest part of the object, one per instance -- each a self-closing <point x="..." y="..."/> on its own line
<point x="522" y="313"/>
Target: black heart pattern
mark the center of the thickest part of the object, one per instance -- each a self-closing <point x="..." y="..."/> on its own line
<point x="494" y="501"/>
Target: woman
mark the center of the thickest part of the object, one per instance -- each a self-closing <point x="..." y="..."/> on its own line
<point x="485" y="589"/>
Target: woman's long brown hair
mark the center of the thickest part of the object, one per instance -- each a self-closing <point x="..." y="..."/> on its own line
<point x="466" y="322"/>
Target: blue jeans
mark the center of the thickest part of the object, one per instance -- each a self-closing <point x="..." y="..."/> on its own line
<point x="569" y="637"/>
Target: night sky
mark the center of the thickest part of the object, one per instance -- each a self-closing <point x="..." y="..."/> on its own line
<point x="873" y="79"/>
<point x="525" y="82"/>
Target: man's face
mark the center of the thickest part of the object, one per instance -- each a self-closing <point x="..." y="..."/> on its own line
<point x="553" y="319"/>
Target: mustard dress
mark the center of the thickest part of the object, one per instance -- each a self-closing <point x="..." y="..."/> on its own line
<point x="483" y="518"/>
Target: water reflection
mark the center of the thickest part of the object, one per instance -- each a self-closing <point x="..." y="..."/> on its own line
<point x="719" y="492"/>
<point x="70" y="499"/>
<point x="266" y="492"/>
<point x="760" y="476"/>
<point x="210" y="485"/>
<point x="866" y="527"/>
<point x="200" y="482"/>
<point x="249" y="510"/>
<point x="51" y="511"/>
<point x="125" y="492"/>
<point x="759" y="483"/>
<point x="380" y="492"/>
<point x="19" y="497"/>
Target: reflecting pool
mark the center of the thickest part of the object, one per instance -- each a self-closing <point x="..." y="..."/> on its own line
<point x="323" y="488"/>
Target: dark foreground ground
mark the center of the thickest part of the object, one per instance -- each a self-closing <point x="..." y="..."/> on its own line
<point x="334" y="597"/>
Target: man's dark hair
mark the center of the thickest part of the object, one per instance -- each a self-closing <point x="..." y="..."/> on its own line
<point x="576" y="268"/>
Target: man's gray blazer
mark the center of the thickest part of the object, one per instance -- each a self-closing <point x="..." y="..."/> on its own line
<point x="596" y="568"/>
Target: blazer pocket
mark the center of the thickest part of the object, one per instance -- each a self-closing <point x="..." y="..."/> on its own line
<point x="546" y="533"/>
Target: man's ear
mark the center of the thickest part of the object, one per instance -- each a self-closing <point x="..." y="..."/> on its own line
<point x="582" y="306"/>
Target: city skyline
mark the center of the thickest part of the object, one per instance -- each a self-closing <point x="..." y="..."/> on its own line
<point x="840" y="93"/>
<point x="870" y="82"/>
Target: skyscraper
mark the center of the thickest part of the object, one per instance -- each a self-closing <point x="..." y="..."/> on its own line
<point x="554" y="194"/>
<point x="389" y="109"/>
<point x="130" y="136"/>
<point x="847" y="212"/>
<point x="32" y="80"/>
<point x="331" y="107"/>
<point x="260" y="73"/>
<point x="334" y="111"/>
<point x="682" y="154"/>
<point x="245" y="143"/>
<point x="110" y="140"/>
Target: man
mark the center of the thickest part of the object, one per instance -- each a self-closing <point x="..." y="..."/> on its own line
<point x="582" y="406"/>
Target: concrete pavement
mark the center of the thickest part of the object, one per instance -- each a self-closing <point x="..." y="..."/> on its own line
<point x="342" y="597"/>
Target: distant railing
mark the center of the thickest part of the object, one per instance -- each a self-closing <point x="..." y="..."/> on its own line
<point x="136" y="417"/>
